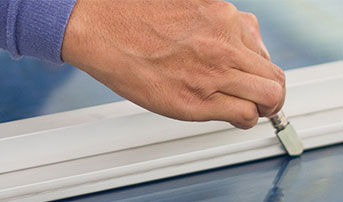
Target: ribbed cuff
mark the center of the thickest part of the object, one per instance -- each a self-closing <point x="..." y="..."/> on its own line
<point x="36" y="27"/>
<point x="3" y="23"/>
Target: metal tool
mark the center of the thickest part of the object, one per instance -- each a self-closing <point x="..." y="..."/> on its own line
<point x="287" y="135"/>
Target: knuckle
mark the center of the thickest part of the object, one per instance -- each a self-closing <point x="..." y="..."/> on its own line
<point x="215" y="53"/>
<point x="208" y="49"/>
<point x="223" y="4"/>
<point x="186" y="106"/>
<point x="252" y="18"/>
<point x="220" y="6"/>
<point x="274" y="96"/>
<point x="228" y="5"/>
<point x="234" y="56"/>
<point x="249" y="117"/>
<point x="281" y="77"/>
<point x="231" y="52"/>
<point x="248" y="125"/>
<point x="198" y="88"/>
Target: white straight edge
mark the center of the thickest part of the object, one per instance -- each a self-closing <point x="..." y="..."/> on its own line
<point x="309" y="90"/>
<point x="165" y="159"/>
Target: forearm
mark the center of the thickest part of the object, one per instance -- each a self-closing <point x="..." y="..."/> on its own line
<point x="34" y="27"/>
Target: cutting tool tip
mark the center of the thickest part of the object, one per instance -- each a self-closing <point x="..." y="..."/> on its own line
<point x="287" y="135"/>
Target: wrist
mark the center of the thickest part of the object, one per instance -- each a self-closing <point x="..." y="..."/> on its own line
<point x="81" y="42"/>
<point x="72" y="41"/>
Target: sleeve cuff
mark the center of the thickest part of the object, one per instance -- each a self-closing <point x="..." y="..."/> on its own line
<point x="36" y="28"/>
<point x="3" y="23"/>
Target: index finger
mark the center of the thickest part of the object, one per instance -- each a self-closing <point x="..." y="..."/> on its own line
<point x="251" y="62"/>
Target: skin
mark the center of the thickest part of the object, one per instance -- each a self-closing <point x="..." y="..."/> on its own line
<point x="194" y="60"/>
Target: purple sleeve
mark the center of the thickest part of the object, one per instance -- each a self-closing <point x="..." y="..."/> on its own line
<point x="34" y="27"/>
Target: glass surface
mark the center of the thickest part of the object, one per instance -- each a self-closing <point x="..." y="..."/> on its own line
<point x="316" y="176"/>
<point x="297" y="32"/>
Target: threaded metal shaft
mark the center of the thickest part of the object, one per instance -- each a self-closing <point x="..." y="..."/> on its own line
<point x="279" y="121"/>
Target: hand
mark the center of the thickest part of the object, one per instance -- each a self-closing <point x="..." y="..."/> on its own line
<point x="194" y="60"/>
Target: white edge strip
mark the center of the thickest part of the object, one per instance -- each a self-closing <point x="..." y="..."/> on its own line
<point x="212" y="157"/>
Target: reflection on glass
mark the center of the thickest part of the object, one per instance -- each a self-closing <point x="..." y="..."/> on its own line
<point x="285" y="178"/>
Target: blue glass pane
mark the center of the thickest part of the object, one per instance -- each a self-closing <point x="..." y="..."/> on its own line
<point x="316" y="176"/>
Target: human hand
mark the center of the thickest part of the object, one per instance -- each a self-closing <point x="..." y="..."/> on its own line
<point x="194" y="60"/>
